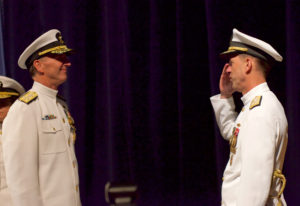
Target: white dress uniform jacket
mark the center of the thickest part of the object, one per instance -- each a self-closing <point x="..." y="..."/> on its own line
<point x="261" y="131"/>
<point x="5" y="199"/>
<point x="39" y="157"/>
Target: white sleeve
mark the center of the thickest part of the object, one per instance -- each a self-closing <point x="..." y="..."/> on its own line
<point x="225" y="114"/>
<point x="257" y="155"/>
<point x="21" y="155"/>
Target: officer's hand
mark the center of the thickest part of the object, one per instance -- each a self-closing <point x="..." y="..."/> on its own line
<point x="226" y="89"/>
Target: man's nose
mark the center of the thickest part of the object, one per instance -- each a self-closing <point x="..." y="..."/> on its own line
<point x="67" y="63"/>
<point x="228" y="69"/>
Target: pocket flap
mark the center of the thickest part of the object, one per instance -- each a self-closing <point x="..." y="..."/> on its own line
<point x="51" y="126"/>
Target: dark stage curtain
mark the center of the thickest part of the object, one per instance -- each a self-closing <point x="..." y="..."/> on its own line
<point x="140" y="83"/>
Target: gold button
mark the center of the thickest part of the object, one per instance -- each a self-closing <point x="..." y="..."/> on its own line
<point x="53" y="129"/>
<point x="74" y="163"/>
<point x="69" y="141"/>
<point x="77" y="188"/>
<point x="243" y="109"/>
<point x="63" y="119"/>
<point x="238" y="124"/>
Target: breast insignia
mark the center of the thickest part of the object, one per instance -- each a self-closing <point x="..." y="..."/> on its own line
<point x="255" y="102"/>
<point x="28" y="97"/>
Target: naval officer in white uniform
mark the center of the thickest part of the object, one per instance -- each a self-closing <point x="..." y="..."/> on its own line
<point x="258" y="134"/>
<point x="10" y="90"/>
<point x="39" y="132"/>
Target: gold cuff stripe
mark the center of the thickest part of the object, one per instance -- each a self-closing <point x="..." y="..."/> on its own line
<point x="235" y="48"/>
<point x="10" y="93"/>
<point x="63" y="47"/>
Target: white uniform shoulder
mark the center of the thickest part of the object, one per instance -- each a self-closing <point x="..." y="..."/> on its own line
<point x="266" y="105"/>
<point x="25" y="103"/>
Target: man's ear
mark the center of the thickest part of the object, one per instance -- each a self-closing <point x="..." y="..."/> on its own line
<point x="38" y="65"/>
<point x="249" y="65"/>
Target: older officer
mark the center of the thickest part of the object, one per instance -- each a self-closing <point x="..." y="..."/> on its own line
<point x="258" y="135"/>
<point x="39" y="132"/>
<point x="10" y="90"/>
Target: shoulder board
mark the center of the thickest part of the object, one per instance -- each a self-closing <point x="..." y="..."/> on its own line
<point x="255" y="102"/>
<point x="28" y="97"/>
<point x="61" y="98"/>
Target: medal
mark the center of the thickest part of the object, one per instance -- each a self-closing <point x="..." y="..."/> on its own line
<point x="232" y="142"/>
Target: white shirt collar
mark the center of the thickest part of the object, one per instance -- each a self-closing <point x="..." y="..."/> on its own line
<point x="44" y="89"/>
<point x="248" y="97"/>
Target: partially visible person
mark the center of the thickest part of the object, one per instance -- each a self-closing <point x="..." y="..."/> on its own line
<point x="39" y="132"/>
<point x="258" y="135"/>
<point x="10" y="90"/>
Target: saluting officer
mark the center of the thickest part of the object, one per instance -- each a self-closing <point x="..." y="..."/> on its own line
<point x="10" y="90"/>
<point x="258" y="135"/>
<point x="39" y="132"/>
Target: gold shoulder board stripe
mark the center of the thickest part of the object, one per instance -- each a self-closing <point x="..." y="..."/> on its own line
<point x="28" y="97"/>
<point x="255" y="102"/>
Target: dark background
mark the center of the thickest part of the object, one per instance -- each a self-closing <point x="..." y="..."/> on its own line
<point x="140" y="83"/>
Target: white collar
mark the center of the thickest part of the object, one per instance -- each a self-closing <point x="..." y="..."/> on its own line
<point x="44" y="89"/>
<point x="256" y="91"/>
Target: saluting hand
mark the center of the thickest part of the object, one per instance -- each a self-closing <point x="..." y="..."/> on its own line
<point x="225" y="85"/>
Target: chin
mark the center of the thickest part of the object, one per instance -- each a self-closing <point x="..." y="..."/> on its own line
<point x="234" y="87"/>
<point x="61" y="80"/>
<point x="64" y="77"/>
